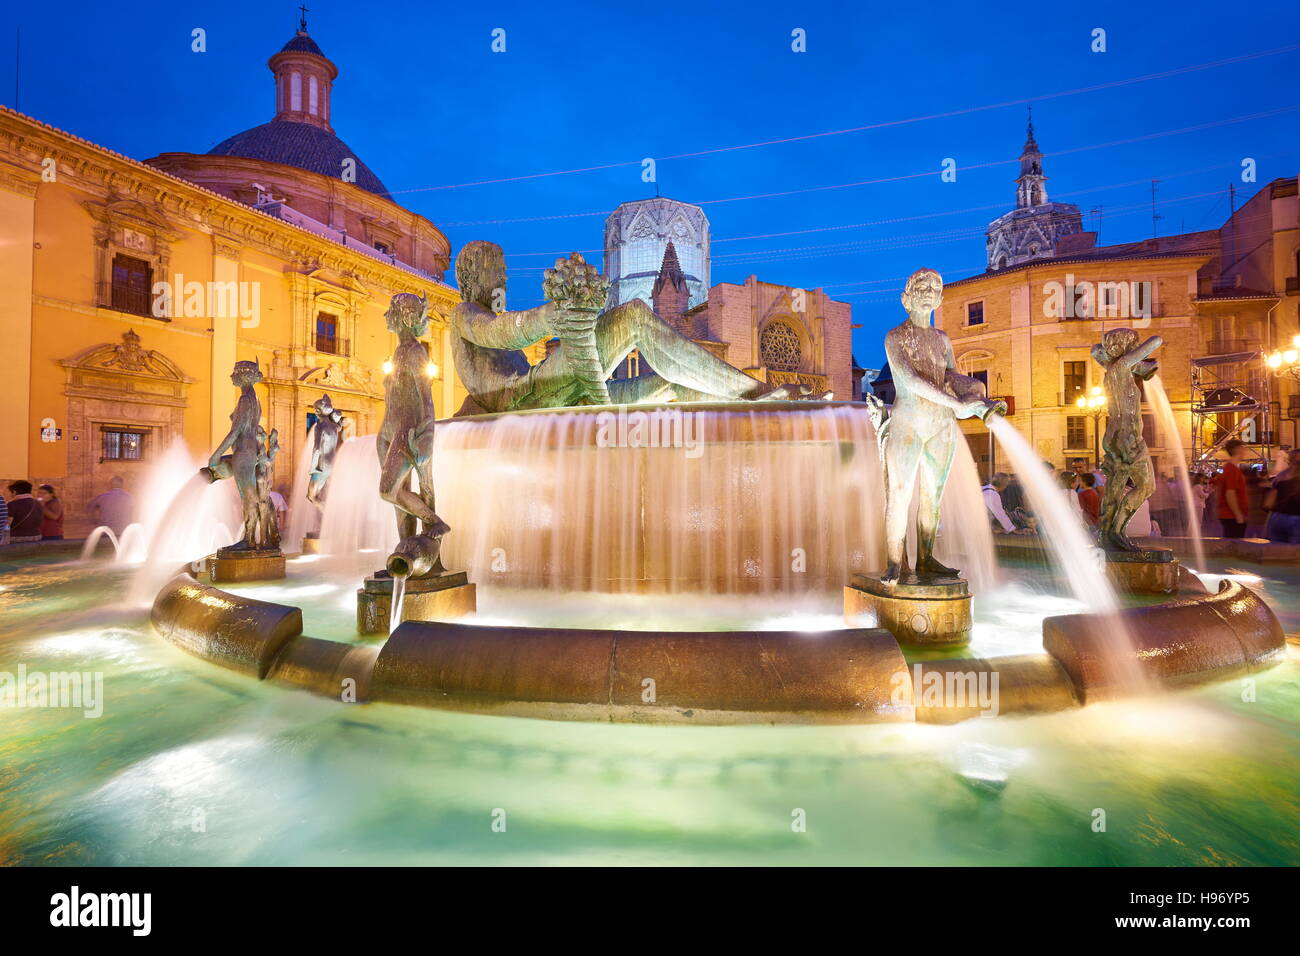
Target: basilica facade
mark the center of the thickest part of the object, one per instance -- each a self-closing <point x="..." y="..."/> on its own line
<point x="133" y="287"/>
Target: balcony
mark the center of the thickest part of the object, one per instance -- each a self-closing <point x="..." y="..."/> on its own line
<point x="331" y="345"/>
<point x="133" y="301"/>
<point x="1222" y="346"/>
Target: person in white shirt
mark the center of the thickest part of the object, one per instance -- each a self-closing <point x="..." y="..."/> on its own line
<point x="993" y="501"/>
<point x="1070" y="482"/>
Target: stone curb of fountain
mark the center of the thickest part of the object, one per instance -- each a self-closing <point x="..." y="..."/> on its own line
<point x="857" y="675"/>
<point x="1248" y="549"/>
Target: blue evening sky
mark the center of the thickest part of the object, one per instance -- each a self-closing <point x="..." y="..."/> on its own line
<point x="425" y="102"/>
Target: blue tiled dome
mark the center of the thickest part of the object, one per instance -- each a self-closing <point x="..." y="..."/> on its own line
<point x="299" y="144"/>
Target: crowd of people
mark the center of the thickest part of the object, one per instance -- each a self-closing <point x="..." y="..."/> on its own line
<point x="35" y="513"/>
<point x="1239" y="500"/>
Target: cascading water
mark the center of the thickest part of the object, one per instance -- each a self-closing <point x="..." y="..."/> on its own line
<point x="1076" y="557"/>
<point x="1167" y="426"/>
<point x="356" y="518"/>
<point x="681" y="499"/>
<point x="1072" y="549"/>
<point x="304" y="518"/>
<point x="198" y="520"/>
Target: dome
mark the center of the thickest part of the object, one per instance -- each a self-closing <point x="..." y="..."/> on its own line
<point x="302" y="145"/>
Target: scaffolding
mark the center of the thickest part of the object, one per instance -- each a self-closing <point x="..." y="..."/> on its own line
<point x="1230" y="399"/>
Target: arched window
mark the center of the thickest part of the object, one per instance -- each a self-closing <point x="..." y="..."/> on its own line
<point x="311" y="95"/>
<point x="779" y="347"/>
<point x="295" y="92"/>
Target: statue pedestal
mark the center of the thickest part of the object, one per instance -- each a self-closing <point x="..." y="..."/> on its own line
<point x="932" y="614"/>
<point x="311" y="544"/>
<point x="227" y="566"/>
<point x="438" y="597"/>
<point x="1153" y="571"/>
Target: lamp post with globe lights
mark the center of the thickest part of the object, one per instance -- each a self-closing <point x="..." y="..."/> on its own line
<point x="1094" y="404"/>
<point x="1285" y="361"/>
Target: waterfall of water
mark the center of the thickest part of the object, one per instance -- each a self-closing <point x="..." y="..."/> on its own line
<point x="1072" y="551"/>
<point x="304" y="518"/>
<point x="197" y="520"/>
<point x="1167" y="425"/>
<point x="1071" y="548"/>
<point x="356" y="518"/>
<point x="662" y="499"/>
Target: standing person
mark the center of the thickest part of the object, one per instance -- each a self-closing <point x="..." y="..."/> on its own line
<point x="1070" y="482"/>
<point x="1163" y="505"/>
<point x="1089" y="500"/>
<point x="1230" y="486"/>
<point x="52" y="514"/>
<point x="114" y="508"/>
<point x="992" y="492"/>
<point x="1283" y="504"/>
<point x="25" y="513"/>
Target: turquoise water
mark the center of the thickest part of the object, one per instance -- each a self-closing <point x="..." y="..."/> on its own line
<point x="190" y="764"/>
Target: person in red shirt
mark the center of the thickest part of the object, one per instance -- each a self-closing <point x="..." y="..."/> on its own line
<point x="1089" y="500"/>
<point x="1230" y="489"/>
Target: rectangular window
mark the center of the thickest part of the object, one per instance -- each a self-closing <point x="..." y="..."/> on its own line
<point x="1076" y="431"/>
<point x="122" y="444"/>
<point x="1149" y="431"/>
<point x="982" y="376"/>
<point x="132" y="282"/>
<point x="975" y="313"/>
<point x="327" y="327"/>
<point x="1075" y="380"/>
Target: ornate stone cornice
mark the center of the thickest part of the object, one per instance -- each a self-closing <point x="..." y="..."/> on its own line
<point x="25" y="142"/>
<point x="19" y="179"/>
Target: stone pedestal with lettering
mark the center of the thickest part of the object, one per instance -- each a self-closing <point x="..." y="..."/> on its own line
<point x="936" y="613"/>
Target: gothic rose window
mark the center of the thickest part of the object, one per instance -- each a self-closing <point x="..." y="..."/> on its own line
<point x="779" y="347"/>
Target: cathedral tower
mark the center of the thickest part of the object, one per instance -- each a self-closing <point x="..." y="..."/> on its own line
<point x="1033" y="229"/>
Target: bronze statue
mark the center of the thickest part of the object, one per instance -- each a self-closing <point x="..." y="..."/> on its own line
<point x="326" y="438"/>
<point x="405" y="440"/>
<point x="917" y="442"/>
<point x="1127" y="463"/>
<point x="249" y="463"/>
<point x="487" y="345"/>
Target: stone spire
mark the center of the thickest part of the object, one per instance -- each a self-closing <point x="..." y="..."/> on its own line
<point x="303" y="78"/>
<point x="1031" y="187"/>
<point x="671" y="294"/>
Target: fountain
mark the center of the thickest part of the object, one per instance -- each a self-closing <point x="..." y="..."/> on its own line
<point x="413" y="579"/>
<point x="326" y="436"/>
<point x="1127" y="465"/>
<point x="930" y="605"/>
<point x="256" y="556"/>
<point x="729" y="555"/>
<point x="1167" y="425"/>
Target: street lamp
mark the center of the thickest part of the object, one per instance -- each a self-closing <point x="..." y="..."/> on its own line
<point x="1285" y="361"/>
<point x="1094" y="404"/>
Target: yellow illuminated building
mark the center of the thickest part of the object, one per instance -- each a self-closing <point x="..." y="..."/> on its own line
<point x="131" y="289"/>
<point x="1221" y="300"/>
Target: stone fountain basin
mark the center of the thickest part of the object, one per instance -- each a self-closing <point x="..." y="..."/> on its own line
<point x="855" y="675"/>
